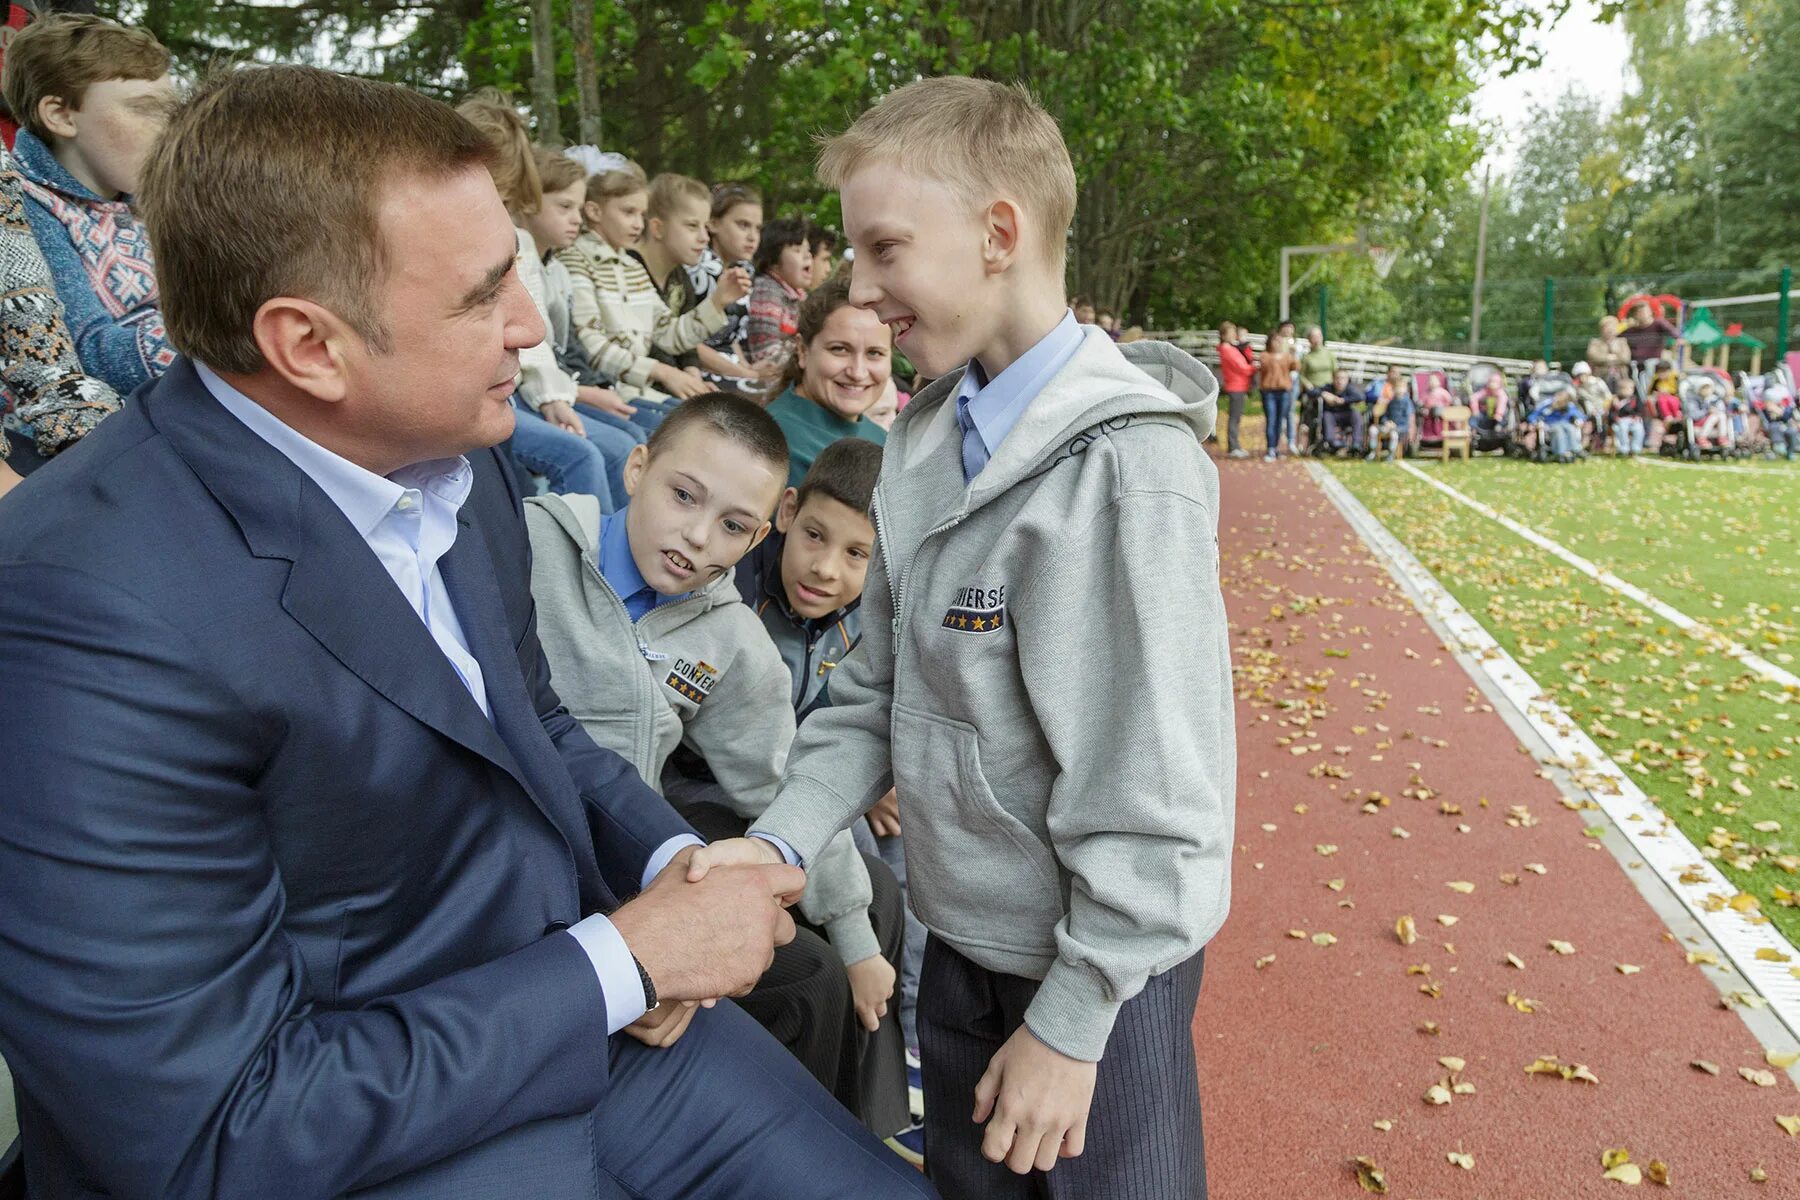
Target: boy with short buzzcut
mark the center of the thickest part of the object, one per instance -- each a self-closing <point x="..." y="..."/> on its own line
<point x="91" y="97"/>
<point x="653" y="652"/>
<point x="1044" y="674"/>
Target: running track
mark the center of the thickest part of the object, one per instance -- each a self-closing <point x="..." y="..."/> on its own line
<point x="1299" y="1058"/>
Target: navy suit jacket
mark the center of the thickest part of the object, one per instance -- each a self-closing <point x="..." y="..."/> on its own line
<point x="280" y="910"/>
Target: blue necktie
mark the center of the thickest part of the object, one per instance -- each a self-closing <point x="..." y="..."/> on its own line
<point x="974" y="450"/>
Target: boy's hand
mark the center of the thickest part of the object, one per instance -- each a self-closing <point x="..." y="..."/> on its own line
<point x="604" y="399"/>
<point x="663" y="1025"/>
<point x="733" y="286"/>
<point x="741" y="852"/>
<point x="884" y="818"/>
<point x="871" y="985"/>
<point x="677" y="383"/>
<point x="1038" y="1100"/>
<point x="561" y="414"/>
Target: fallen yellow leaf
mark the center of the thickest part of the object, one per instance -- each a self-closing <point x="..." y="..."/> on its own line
<point x="1626" y="1173"/>
<point x="1790" y="1124"/>
<point x="1757" y="1076"/>
<point x="1451" y="1063"/>
<point x="1370" y="1176"/>
<point x="1325" y="849"/>
<point x="1336" y="885"/>
<point x="1769" y="954"/>
<point x="1264" y="961"/>
<point x="1658" y="1172"/>
<point x="1385" y="1124"/>
<point x="1406" y="930"/>
<point x="1465" y="1161"/>
<point x="1437" y="1093"/>
<point x="1700" y="1064"/>
<point x="1562" y="947"/>
<point x="1628" y="969"/>
<point x="1615" y="1158"/>
<point x="1445" y="919"/>
<point x="1460" y="885"/>
<point x="1324" y="939"/>
<point x="1781" y="1060"/>
<point x="1515" y="961"/>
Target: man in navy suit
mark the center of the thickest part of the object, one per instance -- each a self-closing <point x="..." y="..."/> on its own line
<point x="308" y="883"/>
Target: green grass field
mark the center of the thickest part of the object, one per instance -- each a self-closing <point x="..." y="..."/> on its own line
<point x="1714" y="744"/>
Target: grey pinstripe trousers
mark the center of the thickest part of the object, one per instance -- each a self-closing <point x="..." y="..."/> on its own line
<point x="1143" y="1135"/>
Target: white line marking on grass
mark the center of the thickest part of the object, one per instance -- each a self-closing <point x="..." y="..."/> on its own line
<point x="1696" y="629"/>
<point x="1645" y="832"/>
<point x="1765" y="472"/>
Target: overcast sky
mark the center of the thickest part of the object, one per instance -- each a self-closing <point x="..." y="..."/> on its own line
<point x="1578" y="51"/>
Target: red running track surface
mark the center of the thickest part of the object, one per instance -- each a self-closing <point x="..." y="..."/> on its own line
<point x="1297" y="1059"/>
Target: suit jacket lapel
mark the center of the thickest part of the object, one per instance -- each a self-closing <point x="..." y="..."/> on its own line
<point x="468" y="571"/>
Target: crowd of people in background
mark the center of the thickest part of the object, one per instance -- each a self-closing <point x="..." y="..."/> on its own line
<point x="1628" y="397"/>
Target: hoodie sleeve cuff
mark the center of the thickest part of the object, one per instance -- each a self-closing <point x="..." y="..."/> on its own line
<point x="1073" y="1012"/>
<point x="853" y="937"/>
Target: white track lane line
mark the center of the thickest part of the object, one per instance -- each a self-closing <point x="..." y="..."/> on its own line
<point x="1652" y="837"/>
<point x="1674" y="616"/>
<point x="1774" y="472"/>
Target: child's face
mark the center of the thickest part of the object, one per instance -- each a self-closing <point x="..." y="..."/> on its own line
<point x="697" y="507"/>
<point x="825" y="559"/>
<point x="620" y="220"/>
<point x="737" y="234"/>
<point x="921" y="265"/>
<point x="886" y="406"/>
<point x="107" y="139"/>
<point x="794" y="266"/>
<point x="846" y="366"/>
<point x="557" y="222"/>
<point x="1084" y="314"/>
<point x="1539" y="367"/>
<point x="822" y="265"/>
<point x="682" y="234"/>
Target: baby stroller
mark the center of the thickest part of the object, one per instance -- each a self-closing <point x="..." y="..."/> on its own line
<point x="1692" y="441"/>
<point x="1532" y="440"/>
<point x="1431" y="394"/>
<point x="1493" y="418"/>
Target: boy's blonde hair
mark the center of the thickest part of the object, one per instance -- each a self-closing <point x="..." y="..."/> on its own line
<point x="65" y="55"/>
<point x="618" y="181"/>
<point x="976" y="137"/>
<point x="669" y="190"/>
<point x="513" y="163"/>
<point x="557" y="170"/>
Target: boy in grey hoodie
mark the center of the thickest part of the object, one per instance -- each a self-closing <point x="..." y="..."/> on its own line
<point x="652" y="650"/>
<point x="1044" y="669"/>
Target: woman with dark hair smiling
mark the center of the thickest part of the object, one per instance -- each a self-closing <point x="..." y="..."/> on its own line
<point x="841" y="361"/>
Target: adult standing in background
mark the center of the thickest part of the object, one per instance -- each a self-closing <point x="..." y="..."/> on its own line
<point x="1237" y="375"/>
<point x="1648" y="336"/>
<point x="1608" y="353"/>
<point x="1275" y="380"/>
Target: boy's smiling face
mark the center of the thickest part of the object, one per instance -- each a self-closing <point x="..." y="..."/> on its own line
<point x="697" y="506"/>
<point x="920" y="265"/>
<point x="825" y="559"/>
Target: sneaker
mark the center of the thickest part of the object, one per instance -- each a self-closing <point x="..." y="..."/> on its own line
<point x="909" y="1144"/>
<point x="915" y="1086"/>
<point x="1269" y="457"/>
<point x="1239" y="453"/>
<point x="1369" y="457"/>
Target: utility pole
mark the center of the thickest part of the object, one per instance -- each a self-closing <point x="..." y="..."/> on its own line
<point x="543" y="74"/>
<point x="1487" y="179"/>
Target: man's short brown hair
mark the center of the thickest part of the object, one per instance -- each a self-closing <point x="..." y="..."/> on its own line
<point x="975" y="136"/>
<point x="65" y="55"/>
<point x="269" y="183"/>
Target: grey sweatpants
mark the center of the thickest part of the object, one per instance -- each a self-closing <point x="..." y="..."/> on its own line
<point x="1143" y="1132"/>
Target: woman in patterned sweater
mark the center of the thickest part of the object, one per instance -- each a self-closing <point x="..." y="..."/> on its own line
<point x="41" y="384"/>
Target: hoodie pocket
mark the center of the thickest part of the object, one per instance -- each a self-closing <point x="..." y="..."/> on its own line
<point x="975" y="872"/>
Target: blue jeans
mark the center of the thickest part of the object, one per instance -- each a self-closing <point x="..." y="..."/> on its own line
<point x="1628" y="435"/>
<point x="570" y="463"/>
<point x="1276" y="407"/>
<point x="1564" y="437"/>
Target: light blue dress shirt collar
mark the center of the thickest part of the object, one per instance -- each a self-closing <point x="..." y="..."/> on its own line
<point x="995" y="405"/>
<point x="620" y="570"/>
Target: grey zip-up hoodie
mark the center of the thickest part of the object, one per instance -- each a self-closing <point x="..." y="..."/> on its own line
<point x="700" y="670"/>
<point x="1045" y="652"/>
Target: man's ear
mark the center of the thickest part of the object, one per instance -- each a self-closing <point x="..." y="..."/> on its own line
<point x="787" y="510"/>
<point x="306" y="344"/>
<point x="57" y="116"/>
<point x="635" y="464"/>
<point x="1003" y="230"/>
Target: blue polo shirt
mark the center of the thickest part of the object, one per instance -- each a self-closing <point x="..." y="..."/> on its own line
<point x="987" y="409"/>
<point x="621" y="572"/>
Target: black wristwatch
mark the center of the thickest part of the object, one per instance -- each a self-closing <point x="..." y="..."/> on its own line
<point x="649" y="984"/>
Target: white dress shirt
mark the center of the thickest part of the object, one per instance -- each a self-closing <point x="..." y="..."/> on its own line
<point x="408" y="520"/>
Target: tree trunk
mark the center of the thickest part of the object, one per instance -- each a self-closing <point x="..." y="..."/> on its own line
<point x="543" y="73"/>
<point x="587" y="72"/>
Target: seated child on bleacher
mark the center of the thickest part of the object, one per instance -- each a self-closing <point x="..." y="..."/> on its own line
<point x="1595" y="399"/>
<point x="1665" y="379"/>
<point x="652" y="650"/>
<point x="1392" y="416"/>
<point x="1561" y="422"/>
<point x="1780" y="422"/>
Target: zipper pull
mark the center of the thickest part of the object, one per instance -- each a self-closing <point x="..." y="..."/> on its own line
<point x="649" y="654"/>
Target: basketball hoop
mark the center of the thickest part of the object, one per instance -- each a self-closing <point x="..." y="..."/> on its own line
<point x="1383" y="258"/>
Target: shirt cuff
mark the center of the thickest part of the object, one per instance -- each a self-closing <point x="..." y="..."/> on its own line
<point x="787" y="852"/>
<point x="665" y="852"/>
<point x="617" y="970"/>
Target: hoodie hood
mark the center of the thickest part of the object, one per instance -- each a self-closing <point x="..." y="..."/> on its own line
<point x="1103" y="382"/>
<point x="579" y="517"/>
